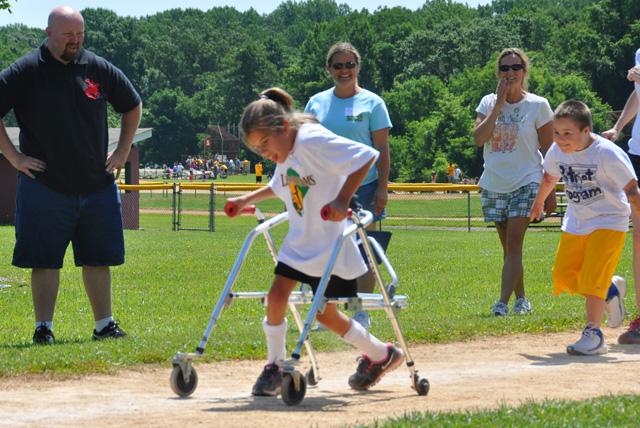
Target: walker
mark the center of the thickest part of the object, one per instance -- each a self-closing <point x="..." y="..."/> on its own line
<point x="184" y="378"/>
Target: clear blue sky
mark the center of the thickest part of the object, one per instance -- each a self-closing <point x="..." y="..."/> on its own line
<point x="33" y="13"/>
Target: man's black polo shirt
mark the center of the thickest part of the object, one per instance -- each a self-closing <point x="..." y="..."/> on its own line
<point x="62" y="113"/>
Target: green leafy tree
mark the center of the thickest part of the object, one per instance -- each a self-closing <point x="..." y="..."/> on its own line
<point x="169" y="112"/>
<point x="248" y="71"/>
<point x="16" y="40"/>
<point x="432" y="66"/>
<point x="413" y="100"/>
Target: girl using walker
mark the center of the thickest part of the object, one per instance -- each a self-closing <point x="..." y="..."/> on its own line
<point x="314" y="167"/>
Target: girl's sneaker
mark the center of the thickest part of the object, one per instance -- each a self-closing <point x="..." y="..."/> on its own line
<point x="591" y="343"/>
<point x="269" y="382"/>
<point x="632" y="335"/>
<point x="615" y="302"/>
<point x="522" y="306"/>
<point x="370" y="372"/>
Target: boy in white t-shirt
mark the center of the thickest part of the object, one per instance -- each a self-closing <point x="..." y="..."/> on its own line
<point x="315" y="167"/>
<point x="602" y="189"/>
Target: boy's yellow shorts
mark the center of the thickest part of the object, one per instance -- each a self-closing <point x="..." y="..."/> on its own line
<point x="585" y="263"/>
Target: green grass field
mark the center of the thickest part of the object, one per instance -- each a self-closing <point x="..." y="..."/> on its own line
<point x="610" y="411"/>
<point x="405" y="205"/>
<point x="164" y="295"/>
<point x="165" y="292"/>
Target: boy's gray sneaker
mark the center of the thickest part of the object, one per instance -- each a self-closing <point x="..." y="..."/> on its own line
<point x="590" y="343"/>
<point x="522" y="306"/>
<point x="500" y="309"/>
<point x="615" y="301"/>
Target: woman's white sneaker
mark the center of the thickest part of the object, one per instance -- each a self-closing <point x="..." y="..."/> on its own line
<point x="500" y="309"/>
<point x="522" y="306"/>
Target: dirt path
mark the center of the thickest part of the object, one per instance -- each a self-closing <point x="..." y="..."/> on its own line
<point x="478" y="374"/>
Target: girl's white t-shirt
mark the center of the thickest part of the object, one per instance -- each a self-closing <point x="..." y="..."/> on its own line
<point x="512" y="157"/>
<point x="311" y="177"/>
<point x="594" y="179"/>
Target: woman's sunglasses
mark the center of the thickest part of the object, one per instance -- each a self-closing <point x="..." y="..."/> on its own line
<point x="340" y="65"/>
<point x="514" y="67"/>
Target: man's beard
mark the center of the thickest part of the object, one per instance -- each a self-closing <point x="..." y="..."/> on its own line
<point x="67" y="55"/>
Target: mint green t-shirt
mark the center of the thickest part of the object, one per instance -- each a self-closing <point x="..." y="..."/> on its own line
<point x="354" y="118"/>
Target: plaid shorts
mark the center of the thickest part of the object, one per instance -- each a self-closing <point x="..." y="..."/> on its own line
<point x="498" y="207"/>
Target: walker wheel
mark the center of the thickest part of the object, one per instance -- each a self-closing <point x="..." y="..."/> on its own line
<point x="290" y="395"/>
<point x="179" y="385"/>
<point x="311" y="377"/>
<point x="422" y="387"/>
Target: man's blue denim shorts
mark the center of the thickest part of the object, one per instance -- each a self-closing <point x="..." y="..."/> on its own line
<point x="367" y="198"/>
<point x="46" y="221"/>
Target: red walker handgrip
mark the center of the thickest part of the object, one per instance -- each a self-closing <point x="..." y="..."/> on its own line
<point x="231" y="209"/>
<point x="326" y="210"/>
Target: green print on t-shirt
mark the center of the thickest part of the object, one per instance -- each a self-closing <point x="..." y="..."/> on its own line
<point x="298" y="191"/>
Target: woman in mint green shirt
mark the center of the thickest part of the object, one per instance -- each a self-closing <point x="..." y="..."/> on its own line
<point x="355" y="113"/>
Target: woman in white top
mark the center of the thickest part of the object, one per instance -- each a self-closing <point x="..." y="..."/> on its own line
<point x="630" y="111"/>
<point x="515" y="129"/>
<point x="315" y="167"/>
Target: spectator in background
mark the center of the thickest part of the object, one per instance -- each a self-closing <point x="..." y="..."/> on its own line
<point x="514" y="128"/>
<point x="258" y="170"/>
<point x="457" y="172"/>
<point x="59" y="92"/>
<point x="349" y="110"/>
<point x="630" y="111"/>
<point x="450" y="170"/>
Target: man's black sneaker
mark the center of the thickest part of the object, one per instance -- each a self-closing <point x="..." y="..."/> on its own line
<point x="370" y="372"/>
<point x="112" y="330"/>
<point x="269" y="382"/>
<point x="43" y="336"/>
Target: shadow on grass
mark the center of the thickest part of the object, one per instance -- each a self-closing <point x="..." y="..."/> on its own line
<point x="28" y="345"/>
<point x="330" y="402"/>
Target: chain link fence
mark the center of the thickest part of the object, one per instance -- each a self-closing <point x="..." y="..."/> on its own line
<point x="445" y="206"/>
<point x="193" y="206"/>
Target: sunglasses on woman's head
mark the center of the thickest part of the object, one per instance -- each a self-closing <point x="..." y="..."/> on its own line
<point x="514" y="67"/>
<point x="340" y="65"/>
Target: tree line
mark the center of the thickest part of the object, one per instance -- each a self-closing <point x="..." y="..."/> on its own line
<point x="432" y="66"/>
